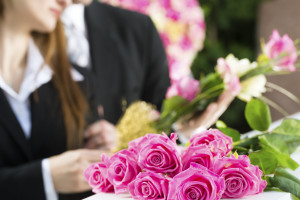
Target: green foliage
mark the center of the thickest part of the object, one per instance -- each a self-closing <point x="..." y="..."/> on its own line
<point x="266" y="161"/>
<point x="286" y="182"/>
<point x="258" y="115"/>
<point x="234" y="134"/>
<point x="289" y="132"/>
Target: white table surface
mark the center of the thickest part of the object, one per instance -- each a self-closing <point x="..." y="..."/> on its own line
<point x="271" y="195"/>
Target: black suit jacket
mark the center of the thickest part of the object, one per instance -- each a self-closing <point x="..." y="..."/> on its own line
<point x="128" y="58"/>
<point x="20" y="158"/>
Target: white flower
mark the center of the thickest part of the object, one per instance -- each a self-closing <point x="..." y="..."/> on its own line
<point x="252" y="87"/>
<point x="239" y="67"/>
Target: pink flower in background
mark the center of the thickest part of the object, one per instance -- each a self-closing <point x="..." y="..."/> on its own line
<point x="122" y="169"/>
<point x="231" y="80"/>
<point x="159" y="154"/>
<point x="197" y="182"/>
<point x="185" y="87"/>
<point x="97" y="177"/>
<point x="281" y="46"/>
<point x="241" y="178"/>
<point x="181" y="26"/>
<point x="149" y="185"/>
<point x="197" y="154"/>
<point x="218" y="142"/>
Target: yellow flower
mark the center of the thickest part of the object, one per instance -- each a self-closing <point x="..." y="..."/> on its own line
<point x="252" y="87"/>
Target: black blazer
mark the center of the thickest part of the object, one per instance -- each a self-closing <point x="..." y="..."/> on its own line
<point x="127" y="56"/>
<point x="20" y="158"/>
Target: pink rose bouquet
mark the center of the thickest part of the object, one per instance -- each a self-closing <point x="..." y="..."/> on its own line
<point x="122" y="168"/>
<point x="154" y="167"/>
<point x="199" y="154"/>
<point x="96" y="175"/>
<point x="149" y="185"/>
<point x="197" y="182"/>
<point x="159" y="154"/>
<point x="217" y="142"/>
<point x="241" y="178"/>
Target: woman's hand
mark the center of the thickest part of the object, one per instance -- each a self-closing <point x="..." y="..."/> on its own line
<point x="67" y="170"/>
<point x="209" y="117"/>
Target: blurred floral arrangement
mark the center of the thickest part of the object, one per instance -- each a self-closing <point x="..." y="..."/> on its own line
<point x="187" y="97"/>
<point x="181" y="26"/>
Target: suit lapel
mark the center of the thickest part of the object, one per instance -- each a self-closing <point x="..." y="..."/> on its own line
<point x="11" y="124"/>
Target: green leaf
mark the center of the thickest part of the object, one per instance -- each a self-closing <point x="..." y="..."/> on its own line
<point x="288" y="127"/>
<point x="220" y="124"/>
<point x="294" y="197"/>
<point x="275" y="142"/>
<point x="286" y="174"/>
<point x="234" y="134"/>
<point x="292" y="142"/>
<point x="258" y="115"/>
<point x="276" y="147"/>
<point x="266" y="161"/>
<point x="172" y="104"/>
<point x="286" y="182"/>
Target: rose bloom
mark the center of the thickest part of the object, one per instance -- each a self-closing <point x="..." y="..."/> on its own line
<point x="282" y="49"/>
<point x="149" y="185"/>
<point x="217" y="142"/>
<point x="159" y="154"/>
<point x="197" y="154"/>
<point x="241" y="178"/>
<point x="185" y="87"/>
<point x="122" y="169"/>
<point x="97" y="177"/>
<point x="197" y="182"/>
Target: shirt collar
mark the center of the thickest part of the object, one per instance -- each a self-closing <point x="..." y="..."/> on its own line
<point x="74" y="16"/>
<point x="36" y="74"/>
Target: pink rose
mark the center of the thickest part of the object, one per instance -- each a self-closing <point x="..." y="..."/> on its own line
<point x="281" y="46"/>
<point x="97" y="177"/>
<point x="230" y="79"/>
<point x="122" y="169"/>
<point x="159" y="154"/>
<point x="241" y="178"/>
<point x="217" y="142"/>
<point x="186" y="87"/>
<point x="197" y="182"/>
<point x="197" y="154"/>
<point x="149" y="185"/>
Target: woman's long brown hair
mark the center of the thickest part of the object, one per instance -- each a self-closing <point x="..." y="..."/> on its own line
<point x="73" y="103"/>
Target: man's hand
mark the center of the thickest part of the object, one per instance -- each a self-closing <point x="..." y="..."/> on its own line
<point x="212" y="113"/>
<point x="67" y="170"/>
<point x="101" y="135"/>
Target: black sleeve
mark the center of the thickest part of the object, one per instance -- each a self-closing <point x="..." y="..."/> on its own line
<point x="22" y="182"/>
<point x="157" y="78"/>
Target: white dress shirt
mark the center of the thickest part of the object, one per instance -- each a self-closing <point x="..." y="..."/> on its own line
<point x="76" y="33"/>
<point x="34" y="77"/>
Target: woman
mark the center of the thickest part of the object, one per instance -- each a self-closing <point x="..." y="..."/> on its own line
<point x="42" y="108"/>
